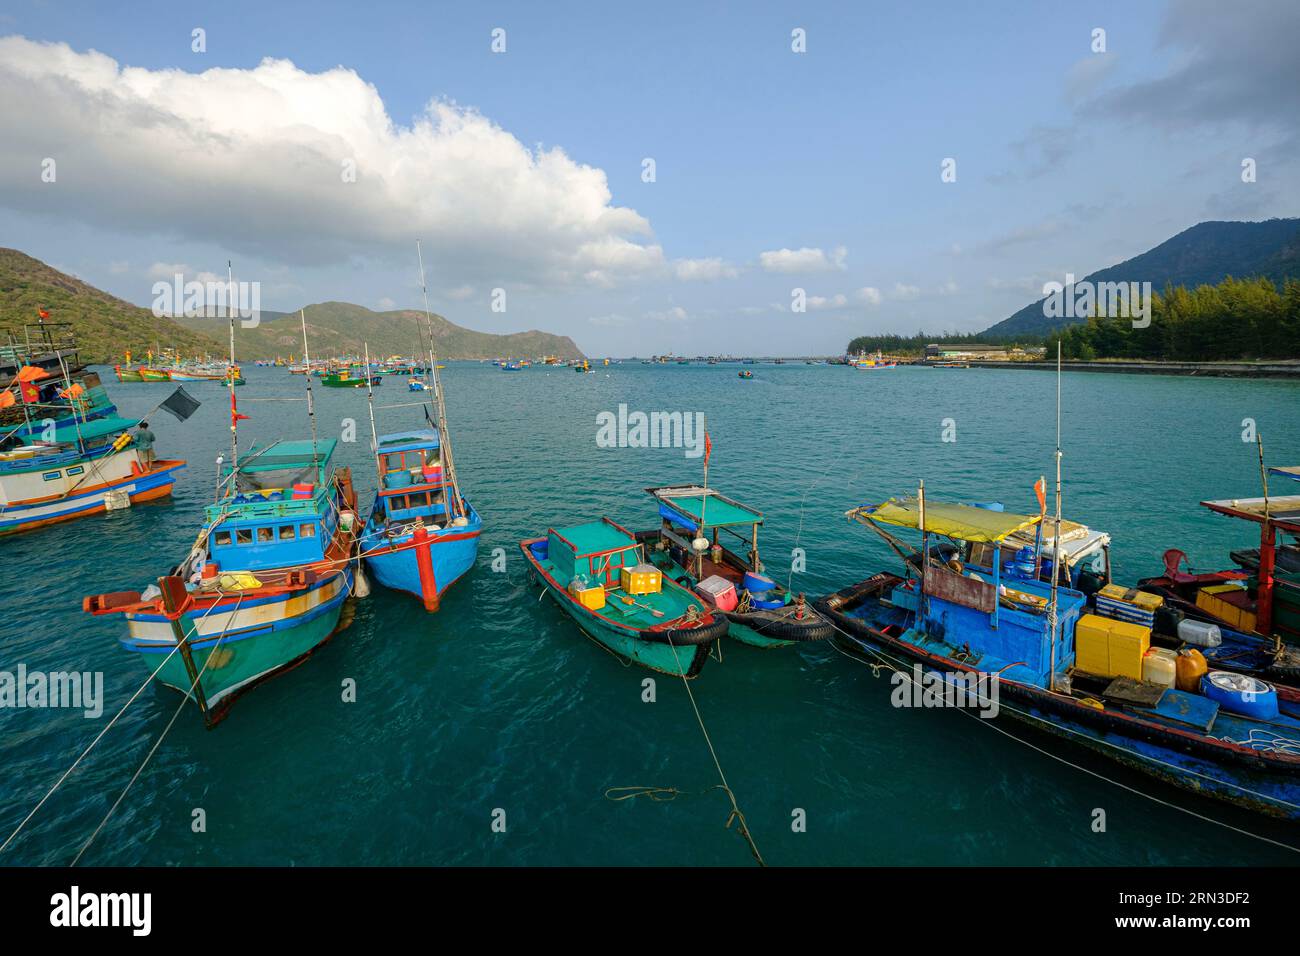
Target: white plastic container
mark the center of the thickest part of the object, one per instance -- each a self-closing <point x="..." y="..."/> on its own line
<point x="1199" y="633"/>
<point x="1160" y="666"/>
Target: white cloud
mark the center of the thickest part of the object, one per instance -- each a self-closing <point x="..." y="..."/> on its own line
<point x="386" y="304"/>
<point x="612" y="320"/>
<point x="461" y="293"/>
<point x="949" y="288"/>
<point x="870" y="295"/>
<point x="803" y="260"/>
<point x="904" y="292"/>
<point x="257" y="159"/>
<point x="820" y="303"/>
<point x="674" y="314"/>
<point x="689" y="270"/>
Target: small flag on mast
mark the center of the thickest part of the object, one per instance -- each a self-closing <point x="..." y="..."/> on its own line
<point x="235" y="414"/>
<point x="1040" y="489"/>
<point x="708" y="448"/>
<point x="180" y="404"/>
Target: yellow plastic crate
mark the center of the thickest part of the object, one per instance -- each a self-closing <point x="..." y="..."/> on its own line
<point x="642" y="579"/>
<point x="1212" y="599"/>
<point x="1128" y="644"/>
<point x="1092" y="645"/>
<point x="1139" y="599"/>
<point x="593" y="599"/>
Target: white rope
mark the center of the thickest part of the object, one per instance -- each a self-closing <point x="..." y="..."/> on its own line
<point x="157" y="743"/>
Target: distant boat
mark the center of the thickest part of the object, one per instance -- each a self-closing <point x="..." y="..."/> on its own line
<point x="346" y="379"/>
<point x="745" y="373"/>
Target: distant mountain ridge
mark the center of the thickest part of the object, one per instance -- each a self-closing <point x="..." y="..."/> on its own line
<point x="342" y="328"/>
<point x="104" y="324"/>
<point x="1205" y="254"/>
<point x="107" y="326"/>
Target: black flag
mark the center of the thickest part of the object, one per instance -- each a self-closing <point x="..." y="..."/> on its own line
<point x="181" y="404"/>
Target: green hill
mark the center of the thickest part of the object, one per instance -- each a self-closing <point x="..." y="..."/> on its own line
<point x="340" y="328"/>
<point x="1205" y="254"/>
<point x="105" y="325"/>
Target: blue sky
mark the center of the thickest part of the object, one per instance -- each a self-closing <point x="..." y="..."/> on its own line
<point x="828" y="161"/>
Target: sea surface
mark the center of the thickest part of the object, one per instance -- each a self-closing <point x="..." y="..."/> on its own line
<point x="498" y="708"/>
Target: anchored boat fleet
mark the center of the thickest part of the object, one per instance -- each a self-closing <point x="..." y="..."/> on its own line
<point x="1190" y="677"/>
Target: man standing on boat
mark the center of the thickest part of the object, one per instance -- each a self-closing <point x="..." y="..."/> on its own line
<point x="144" y="440"/>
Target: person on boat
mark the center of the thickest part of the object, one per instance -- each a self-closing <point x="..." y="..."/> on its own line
<point x="144" y="440"/>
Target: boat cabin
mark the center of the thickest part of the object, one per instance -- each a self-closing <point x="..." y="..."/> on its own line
<point x="690" y="512"/>
<point x="278" y="511"/>
<point x="413" y="482"/>
<point x="593" y="553"/>
<point x="996" y="615"/>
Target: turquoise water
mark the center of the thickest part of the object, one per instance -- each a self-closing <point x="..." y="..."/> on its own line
<point x="499" y="702"/>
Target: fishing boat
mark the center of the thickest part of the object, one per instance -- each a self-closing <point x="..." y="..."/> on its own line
<point x="416" y="385"/>
<point x="1038" y="652"/>
<point x="745" y="373"/>
<point x="263" y="586"/>
<point x="598" y="574"/>
<point x="686" y="547"/>
<point x="346" y="378"/>
<point x="155" y="374"/>
<point x="127" y="375"/>
<point x="583" y="367"/>
<point x="1262" y="594"/>
<point x="87" y="467"/>
<point x="422" y="536"/>
<point x="874" y="364"/>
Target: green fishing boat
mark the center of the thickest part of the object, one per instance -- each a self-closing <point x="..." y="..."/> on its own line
<point x="346" y="379"/>
<point x="598" y="574"/>
<point x="687" y="547"/>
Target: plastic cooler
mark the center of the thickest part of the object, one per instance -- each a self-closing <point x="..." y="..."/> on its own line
<point x="718" y="591"/>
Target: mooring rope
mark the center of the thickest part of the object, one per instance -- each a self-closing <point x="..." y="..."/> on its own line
<point x="158" y="743"/>
<point x="736" y="815"/>
<point x="888" y="661"/>
<point x="67" y="773"/>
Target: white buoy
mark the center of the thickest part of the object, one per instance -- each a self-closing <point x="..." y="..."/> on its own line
<point x="700" y="544"/>
<point x="360" y="586"/>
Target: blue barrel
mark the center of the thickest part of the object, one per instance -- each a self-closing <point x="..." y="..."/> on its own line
<point x="757" y="583"/>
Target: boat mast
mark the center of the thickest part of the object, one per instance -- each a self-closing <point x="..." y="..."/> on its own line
<point x="311" y="406"/>
<point x="230" y="370"/>
<point x="1056" y="532"/>
<point x="437" y="403"/>
<point x="370" y="401"/>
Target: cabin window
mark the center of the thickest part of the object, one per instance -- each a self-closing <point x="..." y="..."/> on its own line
<point x="288" y="532"/>
<point x="244" y="536"/>
<point x="221" y="539"/>
<point x="307" y="531"/>
<point x="393" y="462"/>
<point x="265" y="535"/>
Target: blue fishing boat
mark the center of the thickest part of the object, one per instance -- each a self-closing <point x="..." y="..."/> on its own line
<point x="688" y="547"/>
<point x="1044" y="656"/>
<point x="422" y="535"/>
<point x="263" y="586"/>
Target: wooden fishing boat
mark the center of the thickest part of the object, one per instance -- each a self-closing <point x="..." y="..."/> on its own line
<point x="263" y="586"/>
<point x="875" y="364"/>
<point x="1032" y="650"/>
<point x="155" y="374"/>
<point x="596" y="572"/>
<point x="1262" y="595"/>
<point x="422" y="536"/>
<point x="88" y="467"/>
<point x="127" y="374"/>
<point x="347" y="379"/>
<point x="686" y="547"/>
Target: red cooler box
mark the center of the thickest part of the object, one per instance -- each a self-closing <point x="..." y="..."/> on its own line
<point x="718" y="591"/>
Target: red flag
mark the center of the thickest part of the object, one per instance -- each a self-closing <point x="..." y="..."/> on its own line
<point x="234" y="411"/>
<point x="31" y="393"/>
<point x="708" y="448"/>
<point x="1040" y="489"/>
<point x="42" y="313"/>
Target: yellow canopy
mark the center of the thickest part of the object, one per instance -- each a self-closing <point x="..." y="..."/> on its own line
<point x="963" y="522"/>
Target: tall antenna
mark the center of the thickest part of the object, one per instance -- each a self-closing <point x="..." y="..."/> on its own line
<point x="311" y="406"/>
<point x="370" y="401"/>
<point x="230" y="370"/>
<point x="437" y="402"/>
<point x="1056" y="534"/>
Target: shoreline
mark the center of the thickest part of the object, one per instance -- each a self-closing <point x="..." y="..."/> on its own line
<point x="1279" y="369"/>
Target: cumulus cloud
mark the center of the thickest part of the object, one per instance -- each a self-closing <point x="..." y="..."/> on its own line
<point x="803" y="260"/>
<point x="299" y="167"/>
<point x="904" y="292"/>
<point x="821" y="303"/>
<point x="690" y="270"/>
<point x="870" y="295"/>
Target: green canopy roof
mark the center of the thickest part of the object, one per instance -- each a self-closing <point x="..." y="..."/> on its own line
<point x="963" y="522"/>
<point x="594" y="537"/>
<point x="705" y="507"/>
<point x="95" y="428"/>
<point x="285" y="455"/>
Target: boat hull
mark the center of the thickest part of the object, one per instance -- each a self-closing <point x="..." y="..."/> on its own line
<point x="36" y="511"/>
<point x="238" y="645"/>
<point x="1236" y="774"/>
<point x="396" y="563"/>
<point x="678" y="652"/>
